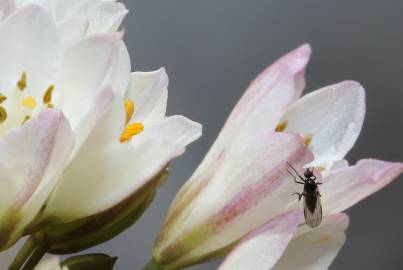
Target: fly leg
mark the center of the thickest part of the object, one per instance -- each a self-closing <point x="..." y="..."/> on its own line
<point x="295" y="178"/>
<point x="299" y="176"/>
<point x="299" y="195"/>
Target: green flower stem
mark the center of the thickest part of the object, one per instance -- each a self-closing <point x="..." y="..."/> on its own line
<point x="23" y="254"/>
<point x="152" y="265"/>
<point x="35" y="258"/>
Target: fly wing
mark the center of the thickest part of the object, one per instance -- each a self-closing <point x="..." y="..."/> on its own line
<point x="313" y="211"/>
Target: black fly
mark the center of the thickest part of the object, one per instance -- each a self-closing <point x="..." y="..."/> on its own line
<point x="312" y="204"/>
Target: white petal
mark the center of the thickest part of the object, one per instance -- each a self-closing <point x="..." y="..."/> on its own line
<point x="44" y="3"/>
<point x="66" y="9"/>
<point x="262" y="248"/>
<point x="105" y="17"/>
<point x="122" y="169"/>
<point x="316" y="249"/>
<point x="86" y="65"/>
<point x="101" y="104"/>
<point x="149" y="91"/>
<point x="343" y="188"/>
<point x="51" y="263"/>
<point x="21" y="50"/>
<point x="174" y="129"/>
<point x="34" y="157"/>
<point x="72" y="30"/>
<point x="340" y="164"/>
<point x="119" y="75"/>
<point x="333" y="116"/>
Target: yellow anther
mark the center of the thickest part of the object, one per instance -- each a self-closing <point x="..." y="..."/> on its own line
<point x="129" y="108"/>
<point x="130" y="131"/>
<point x="3" y="114"/>
<point x="281" y="126"/>
<point x="47" y="97"/>
<point x="2" y="98"/>
<point x="26" y="118"/>
<point x="29" y="102"/>
<point x="22" y="83"/>
<point x="307" y="139"/>
<point x="320" y="168"/>
<point x="50" y="106"/>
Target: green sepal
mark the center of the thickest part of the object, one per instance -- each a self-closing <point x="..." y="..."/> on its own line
<point x="85" y="233"/>
<point x="90" y="262"/>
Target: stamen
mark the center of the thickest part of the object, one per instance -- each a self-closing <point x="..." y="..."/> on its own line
<point x="130" y="131"/>
<point x="22" y="83"/>
<point x="307" y="139"/>
<point x="129" y="108"/>
<point x="3" y="114"/>
<point x="47" y="97"/>
<point x="26" y="118"/>
<point x="50" y="106"/>
<point x="2" y="98"/>
<point x="320" y="168"/>
<point x="281" y="126"/>
<point x="29" y="102"/>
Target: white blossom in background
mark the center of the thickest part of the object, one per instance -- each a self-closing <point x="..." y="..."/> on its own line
<point x="281" y="245"/>
<point x="243" y="182"/>
<point x="76" y="18"/>
<point x="73" y="118"/>
<point x="51" y="263"/>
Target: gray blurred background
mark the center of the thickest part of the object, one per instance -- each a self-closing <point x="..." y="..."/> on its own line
<point x="213" y="49"/>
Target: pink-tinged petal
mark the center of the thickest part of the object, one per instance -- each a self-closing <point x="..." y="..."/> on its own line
<point x="22" y="51"/>
<point x="262" y="106"/>
<point x="247" y="185"/>
<point x="6" y="8"/>
<point x="315" y="249"/>
<point x="80" y="77"/>
<point x="262" y="248"/>
<point x="345" y="187"/>
<point x="149" y="91"/>
<point x="332" y="117"/>
<point x="105" y="17"/>
<point x="33" y="158"/>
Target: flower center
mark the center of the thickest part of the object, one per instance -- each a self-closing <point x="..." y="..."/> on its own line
<point x="130" y="129"/>
<point x="17" y="108"/>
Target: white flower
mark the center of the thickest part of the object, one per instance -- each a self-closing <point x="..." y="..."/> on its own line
<point x="279" y="245"/>
<point x="51" y="263"/>
<point x="243" y="181"/>
<point x="106" y="137"/>
<point x="75" y="18"/>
